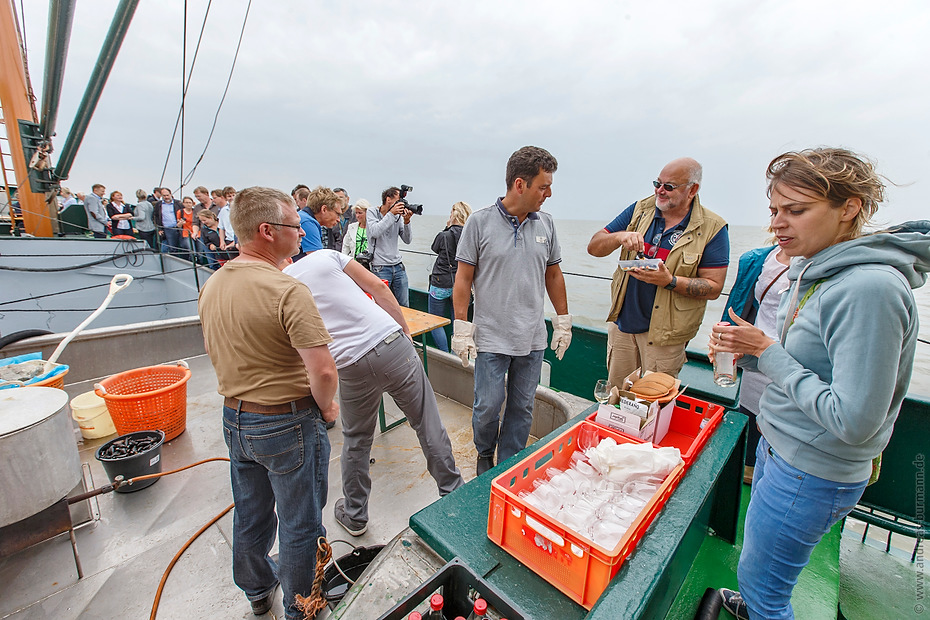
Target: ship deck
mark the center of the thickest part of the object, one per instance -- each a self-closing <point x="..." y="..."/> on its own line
<point x="125" y="551"/>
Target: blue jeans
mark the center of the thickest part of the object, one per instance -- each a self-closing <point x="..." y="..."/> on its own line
<point x="277" y="461"/>
<point x="171" y="242"/>
<point x="788" y="514"/>
<point x="440" y="307"/>
<point x="396" y="276"/>
<point x="509" y="435"/>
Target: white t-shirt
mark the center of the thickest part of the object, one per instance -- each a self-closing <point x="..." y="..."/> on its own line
<point x="754" y="382"/>
<point x="356" y="323"/>
<point x="226" y="224"/>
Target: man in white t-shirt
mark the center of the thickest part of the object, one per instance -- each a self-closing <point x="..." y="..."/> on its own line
<point x="374" y="354"/>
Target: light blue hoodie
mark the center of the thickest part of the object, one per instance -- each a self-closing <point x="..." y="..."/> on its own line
<point x="843" y="367"/>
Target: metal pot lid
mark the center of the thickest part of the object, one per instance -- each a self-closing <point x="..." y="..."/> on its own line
<point x="23" y="407"/>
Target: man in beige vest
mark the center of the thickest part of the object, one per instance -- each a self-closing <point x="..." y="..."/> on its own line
<point x="655" y="312"/>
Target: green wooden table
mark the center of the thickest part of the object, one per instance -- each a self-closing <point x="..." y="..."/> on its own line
<point x="646" y="585"/>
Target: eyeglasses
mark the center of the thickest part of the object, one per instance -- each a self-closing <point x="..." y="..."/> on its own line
<point x="667" y="186"/>
<point x="294" y="226"/>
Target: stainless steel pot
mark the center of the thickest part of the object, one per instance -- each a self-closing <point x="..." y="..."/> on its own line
<point x="39" y="461"/>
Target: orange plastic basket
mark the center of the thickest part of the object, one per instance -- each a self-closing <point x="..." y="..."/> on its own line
<point x="58" y="381"/>
<point x="150" y="398"/>
<point x="562" y="556"/>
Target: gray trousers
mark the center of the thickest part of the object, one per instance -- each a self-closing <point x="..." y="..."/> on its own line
<point x="393" y="366"/>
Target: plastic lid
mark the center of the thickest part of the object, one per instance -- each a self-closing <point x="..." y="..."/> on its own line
<point x="415" y="616"/>
<point x="481" y="606"/>
<point x="435" y="602"/>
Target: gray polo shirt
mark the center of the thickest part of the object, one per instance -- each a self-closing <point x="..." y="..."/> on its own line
<point x="383" y="231"/>
<point x="510" y="261"/>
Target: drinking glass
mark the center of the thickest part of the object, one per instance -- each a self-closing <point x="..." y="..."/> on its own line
<point x="601" y="391"/>
<point x="588" y="437"/>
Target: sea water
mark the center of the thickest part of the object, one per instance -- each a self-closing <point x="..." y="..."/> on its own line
<point x="587" y="280"/>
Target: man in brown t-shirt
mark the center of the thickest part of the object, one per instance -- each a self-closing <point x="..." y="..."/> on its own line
<point x="269" y="348"/>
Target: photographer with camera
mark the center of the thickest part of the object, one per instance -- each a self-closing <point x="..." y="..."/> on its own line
<point x="385" y="224"/>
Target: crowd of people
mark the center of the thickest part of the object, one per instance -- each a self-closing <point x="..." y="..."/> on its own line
<point x="311" y="299"/>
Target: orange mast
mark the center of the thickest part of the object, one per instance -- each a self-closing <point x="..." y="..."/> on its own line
<point x="38" y="216"/>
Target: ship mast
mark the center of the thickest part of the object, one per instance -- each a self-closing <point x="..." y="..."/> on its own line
<point x="38" y="216"/>
<point x="30" y="143"/>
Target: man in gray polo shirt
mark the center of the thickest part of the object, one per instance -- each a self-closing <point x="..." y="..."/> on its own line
<point x="385" y="224"/>
<point x="510" y="253"/>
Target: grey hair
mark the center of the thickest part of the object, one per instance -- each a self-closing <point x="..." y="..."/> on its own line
<point x="695" y="174"/>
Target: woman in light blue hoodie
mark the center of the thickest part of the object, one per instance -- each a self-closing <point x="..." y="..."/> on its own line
<point x="840" y="367"/>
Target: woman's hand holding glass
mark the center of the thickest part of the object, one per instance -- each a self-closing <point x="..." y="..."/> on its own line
<point x="741" y="338"/>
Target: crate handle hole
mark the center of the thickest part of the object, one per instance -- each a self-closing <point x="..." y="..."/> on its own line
<point x="543" y="460"/>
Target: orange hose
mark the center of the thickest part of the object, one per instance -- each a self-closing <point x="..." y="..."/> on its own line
<point x="174" y="471"/>
<point x="177" y="556"/>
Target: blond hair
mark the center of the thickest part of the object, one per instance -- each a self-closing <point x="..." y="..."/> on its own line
<point x="320" y="197"/>
<point x="461" y="211"/>
<point x="831" y="174"/>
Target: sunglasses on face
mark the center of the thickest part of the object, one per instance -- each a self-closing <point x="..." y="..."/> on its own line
<point x="666" y="186"/>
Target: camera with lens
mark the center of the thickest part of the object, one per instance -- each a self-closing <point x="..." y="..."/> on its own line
<point x="364" y="259"/>
<point x="413" y="208"/>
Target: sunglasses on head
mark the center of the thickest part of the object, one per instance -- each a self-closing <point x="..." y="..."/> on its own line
<point x="667" y="186"/>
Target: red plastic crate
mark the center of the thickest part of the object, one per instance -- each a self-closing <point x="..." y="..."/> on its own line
<point x="684" y="431"/>
<point x="562" y="556"/>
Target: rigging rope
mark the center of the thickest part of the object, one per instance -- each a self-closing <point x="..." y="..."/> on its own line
<point x="190" y="75"/>
<point x="216" y="117"/>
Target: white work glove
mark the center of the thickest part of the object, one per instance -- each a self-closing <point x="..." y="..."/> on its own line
<point x="561" y="334"/>
<point x="463" y="340"/>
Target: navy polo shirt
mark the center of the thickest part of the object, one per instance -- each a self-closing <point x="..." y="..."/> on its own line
<point x="636" y="311"/>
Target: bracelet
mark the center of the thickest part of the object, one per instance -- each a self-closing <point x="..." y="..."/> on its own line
<point x="671" y="285"/>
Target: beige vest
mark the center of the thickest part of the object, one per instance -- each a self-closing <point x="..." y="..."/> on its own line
<point x="675" y="318"/>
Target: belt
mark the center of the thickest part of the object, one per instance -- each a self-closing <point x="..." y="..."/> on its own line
<point x="302" y="403"/>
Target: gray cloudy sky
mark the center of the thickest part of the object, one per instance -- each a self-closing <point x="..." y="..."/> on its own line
<point x="438" y="94"/>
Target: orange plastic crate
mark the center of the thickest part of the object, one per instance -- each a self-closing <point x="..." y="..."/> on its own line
<point x="684" y="431"/>
<point x="148" y="399"/>
<point x="562" y="556"/>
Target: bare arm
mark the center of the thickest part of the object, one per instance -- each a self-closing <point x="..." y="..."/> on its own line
<point x="555" y="288"/>
<point x="323" y="379"/>
<point x="461" y="290"/>
<point x="603" y="243"/>
<point x="381" y="294"/>
<point x="707" y="285"/>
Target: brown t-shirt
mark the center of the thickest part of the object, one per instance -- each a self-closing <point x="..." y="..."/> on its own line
<point x="254" y="318"/>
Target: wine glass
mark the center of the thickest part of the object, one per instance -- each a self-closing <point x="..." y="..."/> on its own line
<point x="588" y="436"/>
<point x="601" y="391"/>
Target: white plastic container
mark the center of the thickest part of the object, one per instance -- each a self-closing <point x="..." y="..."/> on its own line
<point x="92" y="416"/>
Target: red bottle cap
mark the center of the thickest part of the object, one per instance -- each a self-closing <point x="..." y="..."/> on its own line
<point x="481" y="606"/>
<point x="415" y="616"/>
<point x="435" y="602"/>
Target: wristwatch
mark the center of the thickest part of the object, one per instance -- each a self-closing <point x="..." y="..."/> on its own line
<point x="671" y="285"/>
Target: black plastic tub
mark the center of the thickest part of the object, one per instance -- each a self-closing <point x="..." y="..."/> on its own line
<point x="353" y="565"/>
<point x="141" y="464"/>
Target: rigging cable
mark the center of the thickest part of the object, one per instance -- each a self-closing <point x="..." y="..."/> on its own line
<point x="216" y="117"/>
<point x="183" y="99"/>
<point x="190" y="75"/>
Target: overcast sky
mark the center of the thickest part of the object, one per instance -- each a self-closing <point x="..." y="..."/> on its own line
<point x="439" y="94"/>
